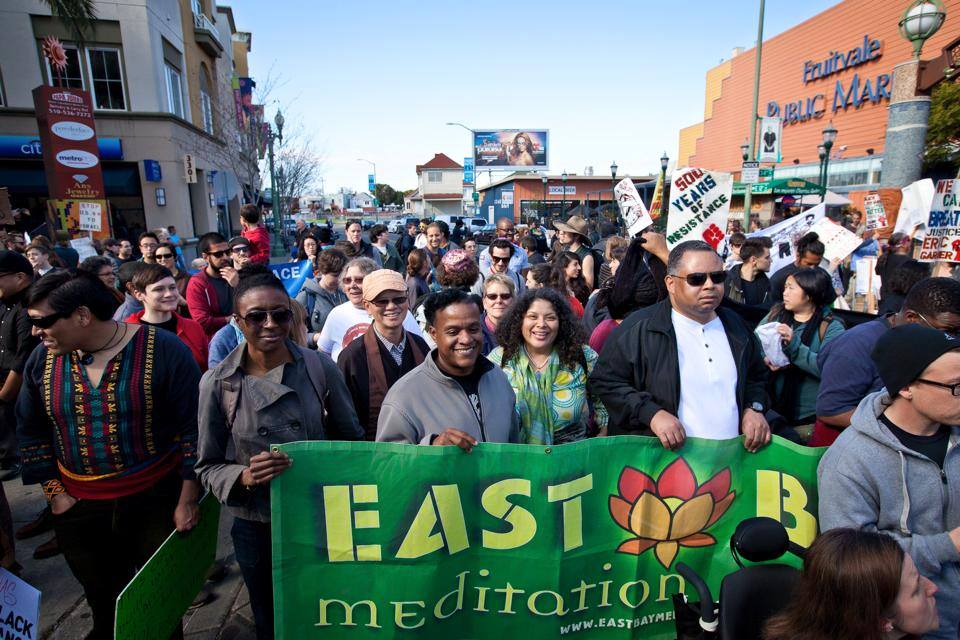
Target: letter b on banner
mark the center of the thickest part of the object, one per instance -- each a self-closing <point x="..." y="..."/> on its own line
<point x="781" y="496"/>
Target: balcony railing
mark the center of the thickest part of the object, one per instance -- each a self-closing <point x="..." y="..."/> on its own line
<point x="205" y="33"/>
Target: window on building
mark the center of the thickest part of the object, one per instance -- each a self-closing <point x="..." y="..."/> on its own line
<point x="197" y="7"/>
<point x="434" y="176"/>
<point x="106" y="76"/>
<point x="71" y="77"/>
<point x="174" y="91"/>
<point x="206" y="100"/>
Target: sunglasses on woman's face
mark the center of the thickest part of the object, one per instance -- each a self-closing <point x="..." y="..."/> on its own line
<point x="163" y="256"/>
<point x="241" y="249"/>
<point x="280" y="316"/>
<point x="506" y="297"/>
<point x="48" y="321"/>
<point x="699" y="279"/>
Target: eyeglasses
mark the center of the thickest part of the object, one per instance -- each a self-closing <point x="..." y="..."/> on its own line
<point x="500" y="258"/>
<point x="349" y="280"/>
<point x="163" y="256"/>
<point x="499" y="296"/>
<point x="507" y="232"/>
<point x="48" y="321"/>
<point x="241" y="249"/>
<point x="218" y="254"/>
<point x="954" y="388"/>
<point x="383" y="304"/>
<point x="946" y="331"/>
<point x="280" y="316"/>
<point x="700" y="279"/>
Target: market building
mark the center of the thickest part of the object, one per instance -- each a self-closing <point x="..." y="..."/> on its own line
<point x="160" y="76"/>
<point x="836" y="67"/>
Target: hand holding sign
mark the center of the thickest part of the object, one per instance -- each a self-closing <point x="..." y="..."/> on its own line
<point x="634" y="213"/>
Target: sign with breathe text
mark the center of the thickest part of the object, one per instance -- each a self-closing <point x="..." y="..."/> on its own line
<point x="943" y="226"/>
<point x="699" y="206"/>
<point x="376" y="540"/>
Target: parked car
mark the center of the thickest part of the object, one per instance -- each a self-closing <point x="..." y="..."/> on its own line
<point x="486" y="234"/>
<point x="397" y="226"/>
<point x="473" y="225"/>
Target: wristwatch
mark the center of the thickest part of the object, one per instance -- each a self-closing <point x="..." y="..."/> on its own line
<point x="758" y="407"/>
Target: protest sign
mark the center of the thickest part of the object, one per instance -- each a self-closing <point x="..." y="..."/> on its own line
<point x="90" y="214"/>
<point x="838" y="242"/>
<point x="19" y="608"/>
<point x="915" y="208"/>
<point x="84" y="248"/>
<point x="635" y="216"/>
<point x="151" y="605"/>
<point x="876" y="215"/>
<point x="699" y="206"/>
<point x="293" y="275"/>
<point x="943" y="226"/>
<point x="538" y="542"/>
<point x="784" y="236"/>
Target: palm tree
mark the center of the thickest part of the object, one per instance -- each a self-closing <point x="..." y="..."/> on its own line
<point x="78" y="15"/>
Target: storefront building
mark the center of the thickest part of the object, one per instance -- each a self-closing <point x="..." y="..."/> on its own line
<point x="159" y="76"/>
<point x="834" y="68"/>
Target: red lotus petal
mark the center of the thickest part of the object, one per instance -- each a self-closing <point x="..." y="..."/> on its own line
<point x="620" y="510"/>
<point x="698" y="540"/>
<point x="677" y="481"/>
<point x="720" y="508"/>
<point x="718" y="486"/>
<point x="634" y="482"/>
<point x="636" y="546"/>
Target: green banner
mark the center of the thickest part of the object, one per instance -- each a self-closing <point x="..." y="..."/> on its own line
<point x="151" y="605"/>
<point x="375" y="540"/>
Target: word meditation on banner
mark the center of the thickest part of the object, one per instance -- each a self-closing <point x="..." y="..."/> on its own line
<point x="537" y="542"/>
<point x="699" y="206"/>
<point x="943" y="226"/>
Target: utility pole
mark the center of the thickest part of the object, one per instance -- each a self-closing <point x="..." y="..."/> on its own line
<point x="747" y="195"/>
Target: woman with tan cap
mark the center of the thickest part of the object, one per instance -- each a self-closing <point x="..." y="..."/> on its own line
<point x="573" y="236"/>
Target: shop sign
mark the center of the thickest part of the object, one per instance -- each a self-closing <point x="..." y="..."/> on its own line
<point x="151" y="171"/>
<point x="29" y="147"/>
<point x="855" y="94"/>
<point x="558" y="190"/>
<point x="68" y="143"/>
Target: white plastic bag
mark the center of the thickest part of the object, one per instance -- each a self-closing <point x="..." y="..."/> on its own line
<point x="770" y="340"/>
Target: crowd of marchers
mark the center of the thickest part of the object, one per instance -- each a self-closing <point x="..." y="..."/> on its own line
<point x="129" y="387"/>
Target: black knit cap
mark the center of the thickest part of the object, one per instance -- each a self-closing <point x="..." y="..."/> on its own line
<point x="13" y="262"/>
<point x="903" y="352"/>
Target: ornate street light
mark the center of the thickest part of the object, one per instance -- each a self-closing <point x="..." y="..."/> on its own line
<point x="543" y="215"/>
<point x="920" y="21"/>
<point x="664" y="161"/>
<point x="745" y="150"/>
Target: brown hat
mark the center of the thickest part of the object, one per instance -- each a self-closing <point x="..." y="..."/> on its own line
<point x="376" y="282"/>
<point x="575" y="224"/>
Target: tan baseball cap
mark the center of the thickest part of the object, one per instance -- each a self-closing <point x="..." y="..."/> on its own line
<point x="381" y="280"/>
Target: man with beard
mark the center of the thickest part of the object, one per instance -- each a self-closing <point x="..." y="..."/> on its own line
<point x="210" y="292"/>
<point x="456" y="396"/>
<point x="683" y="367"/>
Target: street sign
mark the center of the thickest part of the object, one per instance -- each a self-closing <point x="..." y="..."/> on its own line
<point x="750" y="172"/>
<point x="766" y="172"/>
<point x="468" y="171"/>
<point x="371" y="183"/>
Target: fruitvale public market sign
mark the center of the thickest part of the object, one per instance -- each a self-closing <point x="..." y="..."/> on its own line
<point x="375" y="540"/>
<point x="855" y="94"/>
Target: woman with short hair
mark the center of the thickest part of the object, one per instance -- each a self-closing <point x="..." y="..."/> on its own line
<point x="499" y="292"/>
<point x="543" y="352"/>
<point x="166" y="255"/>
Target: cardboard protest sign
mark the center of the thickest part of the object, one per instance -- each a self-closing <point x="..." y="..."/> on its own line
<point x="635" y="216"/>
<point x="699" y="206"/>
<point x="943" y="225"/>
<point x="518" y="540"/>
<point x="19" y="608"/>
<point x="838" y="242"/>
<point x="151" y="605"/>
<point x="876" y="215"/>
<point x="785" y="234"/>
<point x="915" y="208"/>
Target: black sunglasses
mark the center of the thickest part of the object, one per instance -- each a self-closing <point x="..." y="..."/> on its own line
<point x="48" y="321"/>
<point x="399" y="301"/>
<point x="280" y="316"/>
<point x="499" y="259"/>
<point x="163" y="256"/>
<point x="218" y="254"/>
<point x="241" y="248"/>
<point x="700" y="279"/>
<point x="499" y="296"/>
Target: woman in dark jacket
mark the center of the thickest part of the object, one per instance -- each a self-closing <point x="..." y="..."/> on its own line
<point x="355" y="246"/>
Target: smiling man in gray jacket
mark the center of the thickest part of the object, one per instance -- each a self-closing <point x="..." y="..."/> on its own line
<point x="896" y="470"/>
<point x="456" y="396"/>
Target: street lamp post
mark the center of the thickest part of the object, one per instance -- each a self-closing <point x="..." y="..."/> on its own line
<point x="613" y="186"/>
<point x="747" y="189"/>
<point x="748" y="194"/>
<point x="829" y="135"/>
<point x="376" y="203"/>
<point x="543" y="214"/>
<point x="922" y="19"/>
<point x="276" y="240"/>
<point x="660" y="222"/>
<point x="563" y="199"/>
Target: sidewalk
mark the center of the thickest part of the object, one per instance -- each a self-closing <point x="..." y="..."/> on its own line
<point x="64" y="614"/>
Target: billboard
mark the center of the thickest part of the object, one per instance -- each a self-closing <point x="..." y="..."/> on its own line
<point x="511" y="149"/>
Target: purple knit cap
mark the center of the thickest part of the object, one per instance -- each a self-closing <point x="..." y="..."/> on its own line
<point x="456" y="260"/>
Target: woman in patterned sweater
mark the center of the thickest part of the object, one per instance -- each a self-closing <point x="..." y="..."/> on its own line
<point x="107" y="422"/>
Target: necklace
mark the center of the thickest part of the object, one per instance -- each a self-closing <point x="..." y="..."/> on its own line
<point x="536" y="367"/>
<point x="87" y="358"/>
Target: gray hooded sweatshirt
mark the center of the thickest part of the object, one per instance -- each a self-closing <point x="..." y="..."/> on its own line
<point x="868" y="480"/>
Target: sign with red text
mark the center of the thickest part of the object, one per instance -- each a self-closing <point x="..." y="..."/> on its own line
<point x="68" y="139"/>
<point x="943" y="226"/>
<point x="699" y="206"/>
<point x="876" y="214"/>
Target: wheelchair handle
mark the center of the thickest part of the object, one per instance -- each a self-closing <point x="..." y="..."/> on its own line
<point x="708" y="617"/>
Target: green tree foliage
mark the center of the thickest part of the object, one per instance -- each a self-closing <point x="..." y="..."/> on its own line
<point x="387" y="195"/>
<point x="943" y="129"/>
<point x="78" y="15"/>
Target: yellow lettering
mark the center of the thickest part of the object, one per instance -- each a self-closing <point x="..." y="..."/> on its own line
<point x="664" y="579"/>
<point x="626" y="587"/>
<point x="438" y="609"/>
<point x="569" y="494"/>
<point x="780" y="494"/>
<point x="441" y="504"/>
<point x="523" y="526"/>
<point x="399" y="614"/>
<point x="337" y="512"/>
<point x="558" y="609"/>
<point x="348" y="613"/>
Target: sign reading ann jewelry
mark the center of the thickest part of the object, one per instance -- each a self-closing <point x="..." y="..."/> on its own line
<point x="854" y="94"/>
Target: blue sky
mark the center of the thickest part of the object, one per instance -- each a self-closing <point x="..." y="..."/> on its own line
<point x="611" y="80"/>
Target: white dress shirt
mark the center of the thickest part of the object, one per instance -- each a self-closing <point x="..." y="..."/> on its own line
<point x="708" y="379"/>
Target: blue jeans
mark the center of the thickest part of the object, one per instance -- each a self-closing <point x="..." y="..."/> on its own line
<point x="251" y="543"/>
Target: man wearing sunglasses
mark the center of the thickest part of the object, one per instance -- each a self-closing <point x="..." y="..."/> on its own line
<point x="210" y="292"/>
<point x="500" y="256"/>
<point x="385" y="352"/>
<point x="896" y="469"/>
<point x="507" y="230"/>
<point x="700" y="368"/>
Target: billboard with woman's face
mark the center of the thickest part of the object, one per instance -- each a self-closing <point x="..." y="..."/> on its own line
<point x="510" y="149"/>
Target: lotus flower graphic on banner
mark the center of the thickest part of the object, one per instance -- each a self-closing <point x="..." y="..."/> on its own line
<point x="670" y="512"/>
